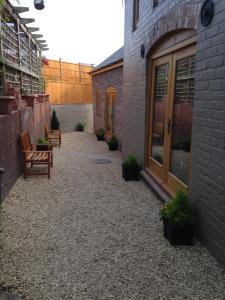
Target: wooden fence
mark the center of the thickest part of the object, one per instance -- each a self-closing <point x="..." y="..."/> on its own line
<point x="68" y="83"/>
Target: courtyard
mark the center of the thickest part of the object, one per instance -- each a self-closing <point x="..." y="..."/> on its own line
<point x="88" y="234"/>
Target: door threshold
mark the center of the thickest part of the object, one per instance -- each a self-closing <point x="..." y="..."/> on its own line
<point x="155" y="186"/>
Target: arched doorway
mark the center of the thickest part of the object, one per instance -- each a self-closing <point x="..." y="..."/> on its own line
<point x="110" y="111"/>
<point x="171" y="99"/>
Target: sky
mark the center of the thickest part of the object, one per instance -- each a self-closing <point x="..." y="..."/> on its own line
<point x="85" y="31"/>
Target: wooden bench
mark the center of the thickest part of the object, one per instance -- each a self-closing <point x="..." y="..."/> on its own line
<point x="34" y="157"/>
<point x="52" y="135"/>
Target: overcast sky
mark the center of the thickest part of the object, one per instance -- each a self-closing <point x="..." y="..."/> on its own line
<point x="85" y="31"/>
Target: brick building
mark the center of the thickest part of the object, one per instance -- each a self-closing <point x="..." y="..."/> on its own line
<point x="107" y="80"/>
<point x="174" y="104"/>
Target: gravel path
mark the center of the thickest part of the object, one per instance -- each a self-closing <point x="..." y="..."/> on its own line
<point x="87" y="234"/>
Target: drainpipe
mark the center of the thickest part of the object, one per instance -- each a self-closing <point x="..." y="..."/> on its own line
<point x="1" y="184"/>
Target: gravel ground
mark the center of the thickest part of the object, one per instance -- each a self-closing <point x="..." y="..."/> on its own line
<point x="87" y="234"/>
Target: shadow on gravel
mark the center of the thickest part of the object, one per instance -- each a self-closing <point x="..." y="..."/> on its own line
<point x="5" y="294"/>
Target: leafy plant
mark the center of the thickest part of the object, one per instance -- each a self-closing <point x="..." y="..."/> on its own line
<point x="80" y="126"/>
<point x="100" y="133"/>
<point x="44" y="61"/>
<point x="2" y="61"/>
<point x="55" y="125"/>
<point x="23" y="92"/>
<point x="113" y="141"/>
<point x="2" y="4"/>
<point x="178" y="211"/>
<point x="131" y="161"/>
<point x="42" y="141"/>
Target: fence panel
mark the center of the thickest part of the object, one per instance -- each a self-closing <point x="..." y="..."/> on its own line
<point x="68" y="83"/>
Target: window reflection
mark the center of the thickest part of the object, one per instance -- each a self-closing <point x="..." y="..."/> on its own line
<point x="160" y="97"/>
<point x="182" y="118"/>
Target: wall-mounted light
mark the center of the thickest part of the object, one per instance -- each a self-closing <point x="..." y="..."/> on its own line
<point x="207" y="12"/>
<point x="39" y="4"/>
<point x="155" y="3"/>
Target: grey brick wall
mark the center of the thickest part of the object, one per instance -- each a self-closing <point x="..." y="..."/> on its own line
<point x="168" y="16"/>
<point x="208" y="142"/>
<point x="208" y="137"/>
<point x="101" y="82"/>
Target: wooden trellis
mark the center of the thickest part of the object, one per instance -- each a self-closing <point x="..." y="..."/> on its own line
<point x="20" y="55"/>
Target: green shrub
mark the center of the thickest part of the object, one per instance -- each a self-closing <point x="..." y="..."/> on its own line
<point x="131" y="161"/>
<point x="178" y="211"/>
<point x="100" y="133"/>
<point x="113" y="141"/>
<point x="55" y="125"/>
<point x="41" y="141"/>
<point x="79" y="126"/>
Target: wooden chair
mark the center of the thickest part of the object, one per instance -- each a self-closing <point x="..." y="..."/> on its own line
<point x="52" y="135"/>
<point x="34" y="157"/>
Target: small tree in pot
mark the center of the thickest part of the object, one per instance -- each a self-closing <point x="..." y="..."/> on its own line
<point x="130" y="168"/>
<point x="79" y="126"/>
<point x="113" y="143"/>
<point x="100" y="133"/>
<point x="55" y="125"/>
<point x="177" y="216"/>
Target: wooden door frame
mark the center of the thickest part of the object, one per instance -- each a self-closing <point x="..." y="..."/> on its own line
<point x="172" y="51"/>
<point x="159" y="170"/>
<point x="110" y="93"/>
<point x="173" y="181"/>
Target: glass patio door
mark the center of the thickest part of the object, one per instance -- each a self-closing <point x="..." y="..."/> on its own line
<point x="169" y="153"/>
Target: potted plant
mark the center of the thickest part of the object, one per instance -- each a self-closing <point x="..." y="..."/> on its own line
<point x="113" y="143"/>
<point x="100" y="133"/>
<point x="177" y="216"/>
<point x="80" y="126"/>
<point x="42" y="145"/>
<point x="130" y="168"/>
<point x="55" y="125"/>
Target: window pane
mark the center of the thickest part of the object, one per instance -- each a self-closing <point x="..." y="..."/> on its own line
<point x="160" y="102"/>
<point x="182" y="118"/>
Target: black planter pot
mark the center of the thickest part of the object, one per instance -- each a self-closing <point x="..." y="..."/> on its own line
<point x="42" y="147"/>
<point x="113" y="147"/>
<point x="130" y="172"/>
<point x="178" y="235"/>
<point x="100" y="138"/>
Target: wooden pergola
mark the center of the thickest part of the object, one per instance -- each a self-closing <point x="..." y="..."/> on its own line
<point x="20" y="52"/>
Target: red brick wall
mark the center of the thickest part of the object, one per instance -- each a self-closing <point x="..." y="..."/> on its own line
<point x="11" y="159"/>
<point x="102" y="82"/>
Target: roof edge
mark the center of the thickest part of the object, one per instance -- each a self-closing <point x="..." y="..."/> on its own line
<point x="113" y="65"/>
